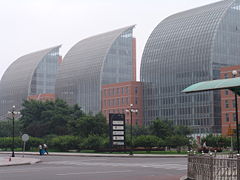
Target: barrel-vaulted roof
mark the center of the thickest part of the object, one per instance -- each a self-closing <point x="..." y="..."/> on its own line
<point x="19" y="74"/>
<point x="85" y="59"/>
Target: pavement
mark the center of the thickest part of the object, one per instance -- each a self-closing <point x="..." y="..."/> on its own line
<point x="14" y="161"/>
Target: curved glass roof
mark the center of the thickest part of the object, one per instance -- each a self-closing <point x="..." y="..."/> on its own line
<point x="81" y="73"/>
<point x="16" y="80"/>
<point x="186" y="48"/>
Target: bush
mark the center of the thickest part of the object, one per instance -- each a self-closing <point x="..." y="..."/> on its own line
<point x="147" y="141"/>
<point x="93" y="143"/>
<point x="33" y="142"/>
<point x="64" y="143"/>
<point x="6" y="143"/>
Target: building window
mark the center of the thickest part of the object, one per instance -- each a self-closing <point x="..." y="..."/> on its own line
<point x="113" y="93"/>
<point x="226" y="104"/>
<point x="233" y="103"/>
<point x="126" y="90"/>
<point x="226" y="92"/>
<point x="136" y="100"/>
<point x="225" y="75"/>
<point x="136" y="90"/>
<point x="105" y="93"/>
<point x="227" y="117"/>
<point x="234" y="117"/>
<point x="122" y="90"/>
<point x="117" y="91"/>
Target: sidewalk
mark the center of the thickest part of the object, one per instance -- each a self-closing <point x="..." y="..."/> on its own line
<point x="14" y="161"/>
<point x="104" y="155"/>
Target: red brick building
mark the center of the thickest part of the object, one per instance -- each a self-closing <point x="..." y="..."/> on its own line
<point x="228" y="102"/>
<point x="42" y="97"/>
<point x="116" y="98"/>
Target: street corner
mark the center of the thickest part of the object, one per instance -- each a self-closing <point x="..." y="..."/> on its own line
<point x="15" y="161"/>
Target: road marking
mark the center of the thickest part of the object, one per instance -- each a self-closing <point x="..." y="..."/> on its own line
<point x="85" y="173"/>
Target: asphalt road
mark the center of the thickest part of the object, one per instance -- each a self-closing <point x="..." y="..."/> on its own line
<point x="98" y="168"/>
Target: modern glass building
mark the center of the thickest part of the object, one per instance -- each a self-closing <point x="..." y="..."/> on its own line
<point x="102" y="59"/>
<point x="186" y="48"/>
<point x="29" y="75"/>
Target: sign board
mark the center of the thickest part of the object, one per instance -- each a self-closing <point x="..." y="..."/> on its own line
<point x="25" y="137"/>
<point x="117" y="129"/>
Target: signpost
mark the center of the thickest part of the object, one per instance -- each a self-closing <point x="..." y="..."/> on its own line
<point x="117" y="130"/>
<point x="25" y="138"/>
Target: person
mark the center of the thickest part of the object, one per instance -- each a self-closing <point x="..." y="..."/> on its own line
<point x="40" y="150"/>
<point x="45" y="147"/>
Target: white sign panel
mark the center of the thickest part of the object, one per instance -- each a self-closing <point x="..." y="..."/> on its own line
<point x="118" y="143"/>
<point x="118" y="132"/>
<point x="118" y="138"/>
<point x="25" y="137"/>
<point x="118" y="127"/>
<point x="118" y="122"/>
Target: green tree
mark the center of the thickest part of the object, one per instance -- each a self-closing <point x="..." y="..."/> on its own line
<point x="43" y="118"/>
<point x="182" y="130"/>
<point x="177" y="141"/>
<point x="92" y="125"/>
<point x="161" y="128"/>
<point x="6" y="128"/>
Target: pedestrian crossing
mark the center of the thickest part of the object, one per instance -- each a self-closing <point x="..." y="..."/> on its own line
<point x="170" y="166"/>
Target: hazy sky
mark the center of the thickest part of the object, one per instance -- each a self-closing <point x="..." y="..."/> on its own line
<point x="32" y="25"/>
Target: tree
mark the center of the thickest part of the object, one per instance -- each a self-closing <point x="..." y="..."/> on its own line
<point x="92" y="125"/>
<point x="161" y="128"/>
<point x="177" y="141"/>
<point x="43" y="118"/>
<point x="6" y="128"/>
<point x="182" y="130"/>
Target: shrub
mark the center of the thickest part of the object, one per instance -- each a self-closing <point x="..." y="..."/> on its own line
<point x="64" y="143"/>
<point x="147" y="141"/>
<point x="93" y="143"/>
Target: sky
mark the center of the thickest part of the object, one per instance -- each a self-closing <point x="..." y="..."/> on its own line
<point x="31" y="25"/>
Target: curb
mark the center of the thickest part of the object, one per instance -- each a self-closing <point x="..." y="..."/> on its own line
<point x="102" y="155"/>
<point x="24" y="163"/>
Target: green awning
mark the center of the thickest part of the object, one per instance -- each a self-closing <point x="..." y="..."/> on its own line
<point x="231" y="83"/>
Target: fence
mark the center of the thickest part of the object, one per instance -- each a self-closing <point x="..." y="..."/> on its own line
<point x="210" y="167"/>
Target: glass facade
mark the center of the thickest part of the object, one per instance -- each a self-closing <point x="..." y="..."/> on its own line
<point x="93" y="62"/>
<point x="31" y="74"/>
<point x="184" y="49"/>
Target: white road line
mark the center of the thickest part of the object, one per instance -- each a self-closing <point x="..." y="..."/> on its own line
<point x="86" y="173"/>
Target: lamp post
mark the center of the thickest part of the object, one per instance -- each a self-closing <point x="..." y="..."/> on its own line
<point x="13" y="113"/>
<point x="234" y="73"/>
<point x="131" y="110"/>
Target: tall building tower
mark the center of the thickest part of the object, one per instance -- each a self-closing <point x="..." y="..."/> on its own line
<point x="32" y="74"/>
<point x="187" y="48"/>
<point x="102" y="59"/>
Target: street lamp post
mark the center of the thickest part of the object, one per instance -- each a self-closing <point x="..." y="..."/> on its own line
<point x="234" y="73"/>
<point x="131" y="110"/>
<point x="13" y="113"/>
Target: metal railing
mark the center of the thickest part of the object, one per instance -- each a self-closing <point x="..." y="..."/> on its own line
<point x="213" y="167"/>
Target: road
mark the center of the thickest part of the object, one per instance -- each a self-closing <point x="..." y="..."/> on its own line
<point x="97" y="168"/>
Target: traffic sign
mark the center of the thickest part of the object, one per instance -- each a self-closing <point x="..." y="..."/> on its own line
<point x="25" y="137"/>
